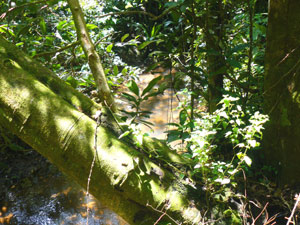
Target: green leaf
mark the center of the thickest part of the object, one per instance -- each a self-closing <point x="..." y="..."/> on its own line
<point x="106" y="71"/>
<point x="182" y="117"/>
<point x="133" y="87"/>
<point x="43" y="25"/>
<point x="238" y="48"/>
<point x="153" y="66"/>
<point x="126" y="133"/>
<point x="144" y="44"/>
<point x="91" y="26"/>
<point x="173" y="135"/>
<point x="124" y="71"/>
<point x="109" y="48"/>
<point x="72" y="81"/>
<point x="247" y="160"/>
<point x="151" y="95"/>
<point x="116" y="70"/>
<point x="147" y="123"/>
<point x="234" y="63"/>
<point x="173" y="124"/>
<point x="61" y="24"/>
<point x="124" y="37"/>
<point x="151" y="84"/>
<point x="20" y="43"/>
<point x="130" y="98"/>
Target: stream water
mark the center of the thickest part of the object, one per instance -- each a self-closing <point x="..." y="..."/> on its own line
<point x="32" y="191"/>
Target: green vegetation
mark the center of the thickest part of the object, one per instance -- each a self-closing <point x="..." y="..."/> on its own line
<point x="212" y="54"/>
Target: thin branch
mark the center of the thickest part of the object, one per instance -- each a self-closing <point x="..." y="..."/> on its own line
<point x="58" y="50"/>
<point x="237" y="84"/>
<point x="265" y="207"/>
<point x="127" y="13"/>
<point x="294" y="209"/>
<point x="163" y="213"/>
<point x="3" y="15"/>
<point x="98" y="119"/>
<point x="153" y="17"/>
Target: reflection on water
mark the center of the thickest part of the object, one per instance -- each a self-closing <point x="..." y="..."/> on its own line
<point x="52" y="199"/>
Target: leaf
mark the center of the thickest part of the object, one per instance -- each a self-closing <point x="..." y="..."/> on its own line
<point x="151" y="84"/>
<point x="130" y="97"/>
<point x="173" y="124"/>
<point x="20" y="44"/>
<point x="144" y="44"/>
<point x="91" y="26"/>
<point x="109" y="48"/>
<point x="116" y="70"/>
<point x="238" y="47"/>
<point x="247" y="160"/>
<point x="173" y="135"/>
<point x="223" y="181"/>
<point x="133" y="87"/>
<point x="151" y="95"/>
<point x="147" y="123"/>
<point x="60" y="25"/>
<point x="182" y="117"/>
<point x="72" y="81"/>
<point x="43" y="26"/>
<point x="124" y="71"/>
<point x="234" y="63"/>
<point x="124" y="37"/>
<point x="126" y="133"/>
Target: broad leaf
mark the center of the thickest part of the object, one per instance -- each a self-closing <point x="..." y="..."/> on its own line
<point x="133" y="87"/>
<point x="151" y="84"/>
<point x="124" y="37"/>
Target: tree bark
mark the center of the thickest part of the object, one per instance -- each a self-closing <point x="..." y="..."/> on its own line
<point x="92" y="56"/>
<point x="123" y="178"/>
<point x="214" y="34"/>
<point x="282" y="89"/>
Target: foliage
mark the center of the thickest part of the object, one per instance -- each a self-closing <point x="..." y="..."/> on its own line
<point x="218" y="143"/>
<point x="135" y="98"/>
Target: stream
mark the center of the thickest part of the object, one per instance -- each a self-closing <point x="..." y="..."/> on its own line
<point x="33" y="191"/>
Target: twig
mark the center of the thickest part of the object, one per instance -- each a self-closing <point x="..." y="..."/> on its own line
<point x="3" y="15"/>
<point x="163" y="213"/>
<point x="253" y="223"/>
<point x="153" y="17"/>
<point x="58" y="50"/>
<point x="98" y="118"/>
<point x="127" y="13"/>
<point x="294" y="209"/>
<point x="159" y="218"/>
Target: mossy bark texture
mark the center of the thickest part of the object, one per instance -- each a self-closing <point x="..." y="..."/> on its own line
<point x="122" y="178"/>
<point x="282" y="89"/>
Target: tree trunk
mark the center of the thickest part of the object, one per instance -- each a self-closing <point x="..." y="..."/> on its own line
<point x="123" y="178"/>
<point x="282" y="89"/>
<point x="214" y="34"/>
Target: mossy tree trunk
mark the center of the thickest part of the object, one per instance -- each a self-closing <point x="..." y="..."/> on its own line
<point x="214" y="35"/>
<point x="282" y="89"/>
<point x="57" y="122"/>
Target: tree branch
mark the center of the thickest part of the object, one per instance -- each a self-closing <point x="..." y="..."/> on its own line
<point x="91" y="55"/>
<point x="3" y="15"/>
<point x="153" y="17"/>
<point x="56" y="51"/>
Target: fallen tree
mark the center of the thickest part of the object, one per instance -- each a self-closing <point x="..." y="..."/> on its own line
<point x="57" y="121"/>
